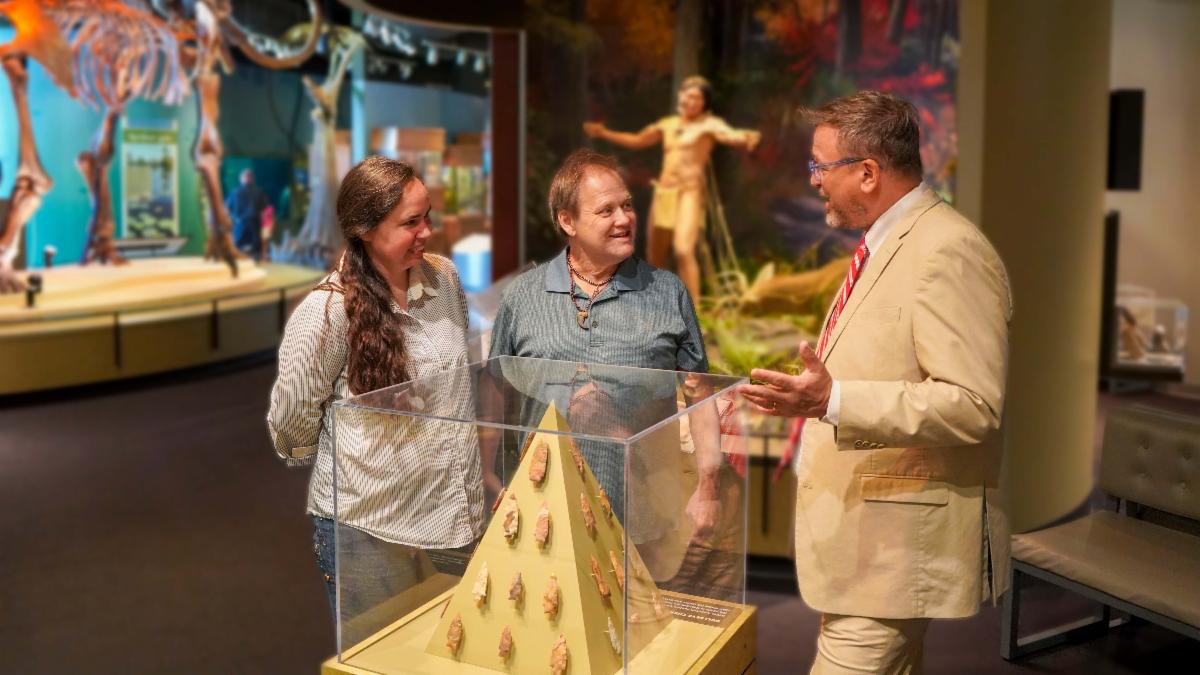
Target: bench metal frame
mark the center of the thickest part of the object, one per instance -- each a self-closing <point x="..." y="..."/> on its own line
<point x="1012" y="646"/>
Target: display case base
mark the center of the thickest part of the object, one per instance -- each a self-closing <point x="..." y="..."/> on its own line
<point x="708" y="637"/>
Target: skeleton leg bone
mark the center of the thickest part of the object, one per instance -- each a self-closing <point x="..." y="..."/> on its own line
<point x="207" y="155"/>
<point x="93" y="164"/>
<point x="31" y="183"/>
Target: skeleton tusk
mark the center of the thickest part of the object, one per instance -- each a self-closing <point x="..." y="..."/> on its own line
<point x="256" y="46"/>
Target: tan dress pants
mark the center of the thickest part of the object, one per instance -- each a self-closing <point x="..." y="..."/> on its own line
<point x="854" y="645"/>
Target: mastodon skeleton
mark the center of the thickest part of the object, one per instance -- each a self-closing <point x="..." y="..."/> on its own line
<point x="105" y="52"/>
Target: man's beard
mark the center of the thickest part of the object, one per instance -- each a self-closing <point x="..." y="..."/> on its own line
<point x="840" y="218"/>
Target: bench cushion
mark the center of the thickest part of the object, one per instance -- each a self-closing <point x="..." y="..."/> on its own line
<point x="1144" y="564"/>
<point x="1152" y="457"/>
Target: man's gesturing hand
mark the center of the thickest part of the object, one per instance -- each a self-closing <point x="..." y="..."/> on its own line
<point x="803" y="395"/>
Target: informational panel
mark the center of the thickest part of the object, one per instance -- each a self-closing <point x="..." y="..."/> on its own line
<point x="150" y="180"/>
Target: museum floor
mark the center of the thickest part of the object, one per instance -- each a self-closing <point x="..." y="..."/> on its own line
<point x="148" y="528"/>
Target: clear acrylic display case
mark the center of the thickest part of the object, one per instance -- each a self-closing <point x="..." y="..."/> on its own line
<point x="616" y="495"/>
<point x="462" y="174"/>
<point x="466" y="189"/>
<point x="1151" y="332"/>
<point x="427" y="164"/>
<point x="419" y="147"/>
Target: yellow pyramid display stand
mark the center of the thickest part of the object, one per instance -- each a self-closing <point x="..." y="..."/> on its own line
<point x="583" y="615"/>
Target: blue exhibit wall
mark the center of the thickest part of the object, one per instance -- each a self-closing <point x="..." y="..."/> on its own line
<point x="266" y="124"/>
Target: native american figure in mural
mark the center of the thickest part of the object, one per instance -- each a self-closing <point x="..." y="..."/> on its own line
<point x="104" y="53"/>
<point x="681" y="194"/>
<point x="320" y="239"/>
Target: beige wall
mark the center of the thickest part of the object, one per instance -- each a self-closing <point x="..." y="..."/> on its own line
<point x="1156" y="47"/>
<point x="1033" y="125"/>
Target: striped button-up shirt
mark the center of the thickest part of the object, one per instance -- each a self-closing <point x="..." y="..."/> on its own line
<point x="401" y="479"/>
<point x="644" y="319"/>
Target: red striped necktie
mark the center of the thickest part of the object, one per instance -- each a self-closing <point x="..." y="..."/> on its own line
<point x="856" y="267"/>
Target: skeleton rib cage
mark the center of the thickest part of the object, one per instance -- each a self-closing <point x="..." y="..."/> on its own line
<point x="105" y="52"/>
<point x="115" y="50"/>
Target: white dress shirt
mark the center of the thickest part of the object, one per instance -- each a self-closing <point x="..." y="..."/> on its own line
<point x="877" y="234"/>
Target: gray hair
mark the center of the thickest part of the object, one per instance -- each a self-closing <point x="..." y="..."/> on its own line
<point x="875" y="125"/>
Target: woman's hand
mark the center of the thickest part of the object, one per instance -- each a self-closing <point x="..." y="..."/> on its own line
<point x="704" y="506"/>
<point x="491" y="485"/>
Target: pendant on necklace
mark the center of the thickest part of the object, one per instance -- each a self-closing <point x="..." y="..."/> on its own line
<point x="582" y="317"/>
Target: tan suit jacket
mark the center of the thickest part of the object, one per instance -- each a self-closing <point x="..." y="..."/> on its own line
<point x="898" y="509"/>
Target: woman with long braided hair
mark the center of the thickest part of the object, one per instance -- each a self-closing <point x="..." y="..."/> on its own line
<point x="389" y="313"/>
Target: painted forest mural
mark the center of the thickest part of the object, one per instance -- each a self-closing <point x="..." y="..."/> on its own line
<point x="621" y="61"/>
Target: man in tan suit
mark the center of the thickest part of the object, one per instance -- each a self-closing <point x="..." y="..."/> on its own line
<point x="898" y="517"/>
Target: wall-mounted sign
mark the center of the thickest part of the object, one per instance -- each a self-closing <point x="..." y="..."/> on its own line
<point x="150" y="181"/>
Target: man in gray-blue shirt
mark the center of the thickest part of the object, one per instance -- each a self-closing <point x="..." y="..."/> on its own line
<point x="595" y="303"/>
<point x="643" y="318"/>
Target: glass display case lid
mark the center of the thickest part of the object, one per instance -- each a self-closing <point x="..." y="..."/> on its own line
<point x="609" y="403"/>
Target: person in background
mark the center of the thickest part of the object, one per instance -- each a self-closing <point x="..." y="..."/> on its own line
<point x="245" y="206"/>
<point x="268" y="226"/>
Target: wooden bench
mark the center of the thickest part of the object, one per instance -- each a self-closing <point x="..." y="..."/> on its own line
<point x="1143" y="557"/>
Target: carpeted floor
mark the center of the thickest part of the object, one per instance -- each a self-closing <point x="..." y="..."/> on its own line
<point x="150" y="529"/>
<point x="787" y="631"/>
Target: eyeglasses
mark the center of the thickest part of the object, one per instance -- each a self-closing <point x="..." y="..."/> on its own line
<point x="818" y="170"/>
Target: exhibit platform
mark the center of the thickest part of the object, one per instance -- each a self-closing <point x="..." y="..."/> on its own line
<point x="99" y="323"/>
<point x="707" y="637"/>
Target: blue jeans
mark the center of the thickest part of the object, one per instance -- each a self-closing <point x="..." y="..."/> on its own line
<point x="373" y="572"/>
<point x="323" y="549"/>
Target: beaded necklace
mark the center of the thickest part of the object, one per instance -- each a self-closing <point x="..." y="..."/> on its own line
<point x="581" y="315"/>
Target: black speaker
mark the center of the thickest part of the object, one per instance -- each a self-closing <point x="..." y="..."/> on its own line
<point x="1125" y="113"/>
<point x="1108" y="295"/>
